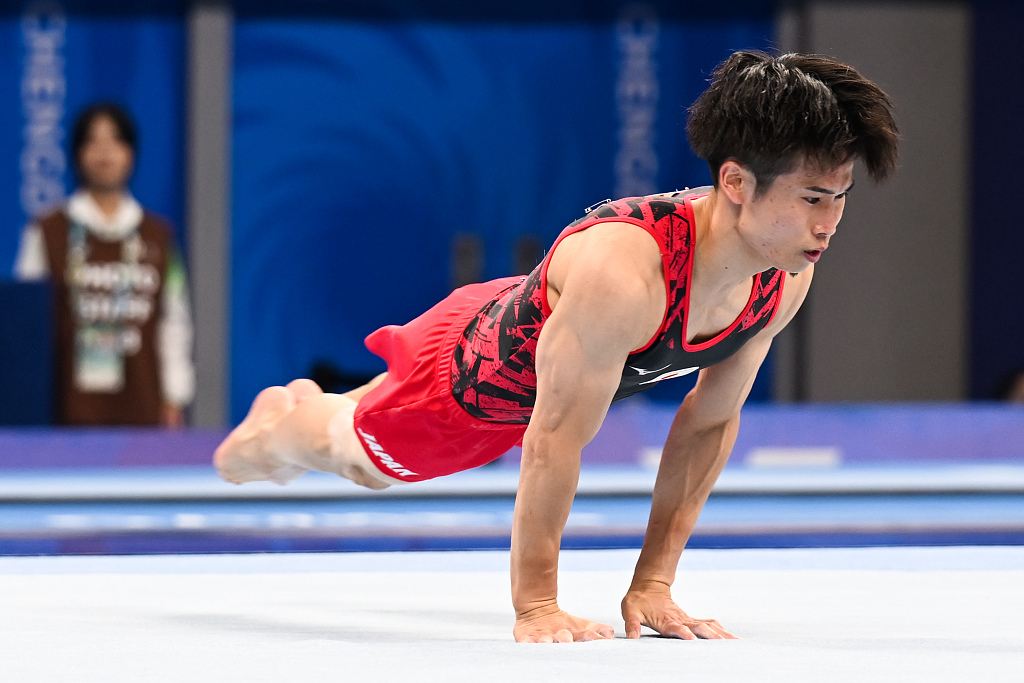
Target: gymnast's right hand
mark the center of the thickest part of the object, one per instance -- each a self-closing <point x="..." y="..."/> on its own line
<point x="552" y="625"/>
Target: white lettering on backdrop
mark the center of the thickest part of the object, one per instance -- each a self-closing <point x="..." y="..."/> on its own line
<point x="636" y="96"/>
<point x="43" y="92"/>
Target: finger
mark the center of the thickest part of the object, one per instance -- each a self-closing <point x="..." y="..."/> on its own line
<point x="526" y="639"/>
<point x="713" y="623"/>
<point x="563" y="636"/>
<point x="602" y="631"/>
<point x="596" y="633"/>
<point x="706" y="631"/>
<point x="585" y="636"/>
<point x="725" y="634"/>
<point x="633" y="627"/>
<point x="678" y="631"/>
<point x="545" y="639"/>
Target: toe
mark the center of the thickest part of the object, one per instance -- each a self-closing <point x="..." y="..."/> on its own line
<point x="303" y="389"/>
<point x="271" y="401"/>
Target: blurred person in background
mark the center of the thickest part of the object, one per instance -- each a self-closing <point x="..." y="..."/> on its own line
<point x="124" y="331"/>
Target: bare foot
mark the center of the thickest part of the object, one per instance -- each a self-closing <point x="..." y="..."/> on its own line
<point x="243" y="457"/>
<point x="303" y="389"/>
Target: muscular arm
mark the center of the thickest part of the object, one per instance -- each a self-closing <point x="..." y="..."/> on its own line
<point x="604" y="310"/>
<point x="697" y="448"/>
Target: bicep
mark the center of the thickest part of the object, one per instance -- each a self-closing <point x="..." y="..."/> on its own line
<point x="581" y="352"/>
<point x="575" y="381"/>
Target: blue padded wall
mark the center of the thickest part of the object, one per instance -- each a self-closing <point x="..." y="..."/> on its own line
<point x="366" y="139"/>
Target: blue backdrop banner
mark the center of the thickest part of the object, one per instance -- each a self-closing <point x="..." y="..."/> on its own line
<point x="377" y="162"/>
<point x="57" y="57"/>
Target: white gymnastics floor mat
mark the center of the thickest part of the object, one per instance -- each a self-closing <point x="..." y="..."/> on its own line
<point x="872" y="614"/>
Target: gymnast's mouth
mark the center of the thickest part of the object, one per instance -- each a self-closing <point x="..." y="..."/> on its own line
<point x="813" y="255"/>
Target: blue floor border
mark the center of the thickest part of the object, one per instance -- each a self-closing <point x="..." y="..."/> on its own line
<point x="183" y="543"/>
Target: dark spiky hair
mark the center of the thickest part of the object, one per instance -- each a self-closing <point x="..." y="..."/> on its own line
<point x="771" y="113"/>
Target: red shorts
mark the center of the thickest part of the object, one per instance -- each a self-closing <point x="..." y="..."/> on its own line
<point x="410" y="425"/>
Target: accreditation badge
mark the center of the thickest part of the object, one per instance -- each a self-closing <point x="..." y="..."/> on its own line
<point x="99" y="359"/>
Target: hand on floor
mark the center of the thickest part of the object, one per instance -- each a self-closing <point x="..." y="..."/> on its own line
<point x="654" y="608"/>
<point x="558" y="626"/>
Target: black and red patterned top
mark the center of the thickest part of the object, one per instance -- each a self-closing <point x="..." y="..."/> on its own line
<point x="493" y="372"/>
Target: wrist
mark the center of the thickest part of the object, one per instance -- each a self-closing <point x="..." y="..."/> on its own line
<point x="658" y="559"/>
<point x="527" y="610"/>
<point x="650" y="585"/>
<point x="534" y="571"/>
<point x="539" y="594"/>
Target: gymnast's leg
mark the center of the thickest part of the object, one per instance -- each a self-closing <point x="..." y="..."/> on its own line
<point x="296" y="428"/>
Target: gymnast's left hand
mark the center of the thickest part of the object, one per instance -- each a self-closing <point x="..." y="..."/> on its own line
<point x="652" y="606"/>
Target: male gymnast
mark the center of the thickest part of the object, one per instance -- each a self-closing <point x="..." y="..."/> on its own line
<point x="637" y="291"/>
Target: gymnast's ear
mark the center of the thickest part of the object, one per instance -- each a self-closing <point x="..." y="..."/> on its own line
<point x="736" y="182"/>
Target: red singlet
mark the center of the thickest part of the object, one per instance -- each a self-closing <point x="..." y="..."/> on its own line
<point x="461" y="380"/>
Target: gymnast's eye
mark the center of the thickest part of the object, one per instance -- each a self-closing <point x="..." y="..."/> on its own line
<point x="812" y="200"/>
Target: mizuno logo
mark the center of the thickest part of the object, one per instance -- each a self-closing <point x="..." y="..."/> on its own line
<point x="386" y="459"/>
<point x="670" y="375"/>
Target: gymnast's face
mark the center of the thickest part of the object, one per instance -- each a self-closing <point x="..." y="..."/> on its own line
<point x="105" y="160"/>
<point x="790" y="225"/>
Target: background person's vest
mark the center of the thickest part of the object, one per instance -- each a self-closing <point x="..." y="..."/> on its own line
<point x="108" y="301"/>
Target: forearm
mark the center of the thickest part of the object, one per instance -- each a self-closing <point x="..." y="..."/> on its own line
<point x="547" y="483"/>
<point x="690" y="466"/>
